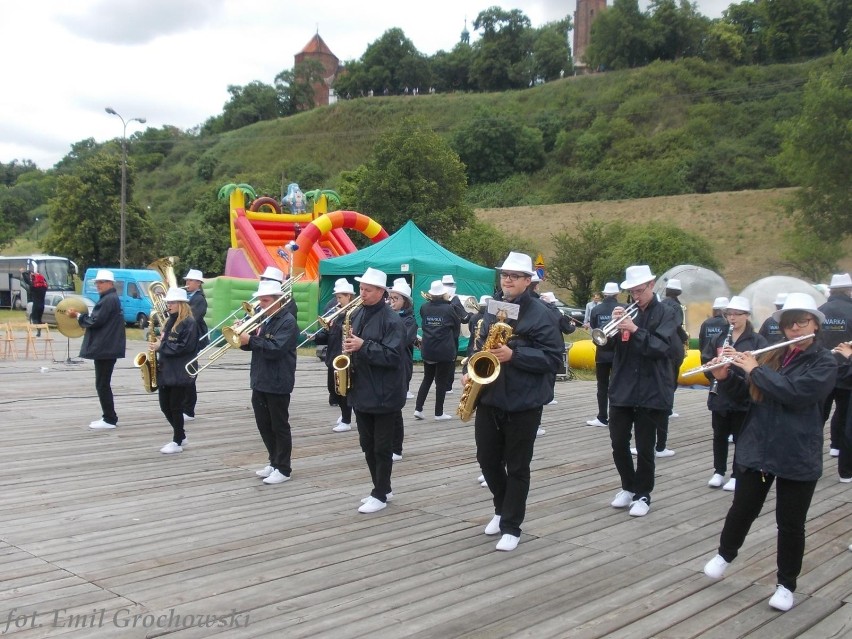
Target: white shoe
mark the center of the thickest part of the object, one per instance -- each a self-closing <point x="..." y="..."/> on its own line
<point x="834" y="452"/>
<point x="171" y="448"/>
<point x="342" y="428"/>
<point x="264" y="472"/>
<point x="396" y="457"/>
<point x="674" y="415"/>
<point x="640" y="508"/>
<point x="184" y="442"/>
<point x="372" y="505"/>
<point x="782" y="599"/>
<point x="418" y="414"/>
<point x="731" y="485"/>
<point x="552" y="402"/>
<point x="633" y="451"/>
<point x="716" y="480"/>
<point x="339" y="419"/>
<point x="188" y="418"/>
<point x="493" y="527"/>
<point x="483" y="484"/>
<point x="666" y="452"/>
<point x="540" y="432"/>
<point x="716" y="567"/>
<point x="596" y="422"/>
<point x="730" y="439"/>
<point x="845" y="480"/>
<point x="450" y="392"/>
<point x="409" y="395"/>
<point x="623" y="498"/>
<point x="443" y="418"/>
<point x="101" y="425"/>
<point x="480" y="479"/>
<point x="388" y="498"/>
<point x="276" y="477"/>
<point x="508" y="543"/>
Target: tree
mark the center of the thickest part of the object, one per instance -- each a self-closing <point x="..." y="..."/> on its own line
<point x="550" y="52"/>
<point x="390" y="63"/>
<point x="814" y="257"/>
<point x="817" y="148"/>
<point x="482" y="243"/>
<point x="451" y="70"/>
<point x="202" y="240"/>
<point x="413" y="174"/>
<point x="619" y="37"/>
<point x="296" y="86"/>
<point x="574" y="265"/>
<point x="676" y="29"/>
<point x="797" y="29"/>
<point x="502" y="60"/>
<point x="252" y="103"/>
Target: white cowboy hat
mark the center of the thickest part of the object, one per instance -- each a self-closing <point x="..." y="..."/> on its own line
<point x="194" y="274"/>
<point x="799" y="302"/>
<point x="374" y="277"/>
<point x="343" y="285"/>
<point x="611" y="288"/>
<point x="437" y="289"/>
<point x="176" y="295"/>
<point x="272" y="273"/>
<point x="535" y="278"/>
<point x="548" y="297"/>
<point x="840" y="280"/>
<point x="401" y="286"/>
<point x="779" y="299"/>
<point x="636" y="275"/>
<point x="268" y="287"/>
<point x="738" y="303"/>
<point x="484" y="299"/>
<point x="448" y="280"/>
<point x="103" y="275"/>
<point x="518" y="263"/>
<point x="674" y="285"/>
<point x="720" y="302"/>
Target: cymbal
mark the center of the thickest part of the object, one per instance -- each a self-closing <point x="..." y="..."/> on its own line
<point x="69" y="326"/>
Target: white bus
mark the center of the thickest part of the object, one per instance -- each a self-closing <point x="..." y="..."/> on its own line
<point x="58" y="271"/>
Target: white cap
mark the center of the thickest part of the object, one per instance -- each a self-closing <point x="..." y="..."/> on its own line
<point x="343" y="285"/>
<point x="799" y="302"/>
<point x="738" y="303"/>
<point x="548" y="297"/>
<point x="272" y="273"/>
<point x="611" y="288"/>
<point x="779" y="299"/>
<point x="437" y="289"/>
<point x="840" y="280"/>
<point x="720" y="302"/>
<point x="518" y="263"/>
<point x="268" y="287"/>
<point x="401" y="286"/>
<point x="674" y="285"/>
<point x="374" y="277"/>
<point x="448" y="280"/>
<point x="103" y="275"/>
<point x="636" y="275"/>
<point x="176" y="295"/>
<point x="194" y="274"/>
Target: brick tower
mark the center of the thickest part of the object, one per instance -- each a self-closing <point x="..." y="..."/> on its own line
<point x="317" y="49"/>
<point x="586" y="13"/>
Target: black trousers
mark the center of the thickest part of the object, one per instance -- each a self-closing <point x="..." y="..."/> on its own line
<point x="375" y="433"/>
<point x="644" y="424"/>
<point x="504" y="450"/>
<point x="37" y="312"/>
<point x="190" y="399"/>
<point x="272" y="414"/>
<point x="398" y="434"/>
<point x="840" y="398"/>
<point x="342" y="403"/>
<point x="724" y="425"/>
<point x="172" y="402"/>
<point x="442" y="374"/>
<point x="603" y="371"/>
<point x="103" y="385"/>
<point x="793" y="498"/>
<point x="663" y="427"/>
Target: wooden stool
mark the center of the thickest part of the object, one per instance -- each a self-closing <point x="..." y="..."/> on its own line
<point x="32" y="338"/>
<point x="9" y="350"/>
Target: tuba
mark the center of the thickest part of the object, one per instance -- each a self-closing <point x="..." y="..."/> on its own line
<point x="146" y="361"/>
<point x="482" y="367"/>
<point x="342" y="364"/>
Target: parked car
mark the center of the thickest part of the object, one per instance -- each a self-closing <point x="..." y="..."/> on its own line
<point x="51" y="300"/>
<point x="578" y="314"/>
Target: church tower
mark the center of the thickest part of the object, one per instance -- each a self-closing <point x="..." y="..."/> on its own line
<point x="586" y="13"/>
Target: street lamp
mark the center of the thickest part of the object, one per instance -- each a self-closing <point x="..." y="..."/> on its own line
<point x="36" y="225"/>
<point x="111" y="111"/>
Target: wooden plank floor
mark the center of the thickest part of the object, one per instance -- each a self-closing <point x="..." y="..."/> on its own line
<point x="102" y="536"/>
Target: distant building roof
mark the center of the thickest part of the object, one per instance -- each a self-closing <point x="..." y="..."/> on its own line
<point x="317" y="45"/>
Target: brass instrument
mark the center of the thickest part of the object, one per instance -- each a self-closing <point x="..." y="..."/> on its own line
<point x="327" y="319"/>
<point x="683" y="311"/>
<point x="146" y="361"/>
<point x="600" y="336"/>
<point x="69" y="326"/>
<point x="483" y="367"/>
<point x="727" y="360"/>
<point x="342" y="364"/>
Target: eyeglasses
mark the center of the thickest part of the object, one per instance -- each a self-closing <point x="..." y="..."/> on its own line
<point x="513" y="277"/>
<point x="734" y="314"/>
<point x="638" y="290"/>
<point x="395" y="298"/>
<point x="802" y="323"/>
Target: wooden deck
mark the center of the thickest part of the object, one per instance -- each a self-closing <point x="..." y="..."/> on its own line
<point x="98" y="526"/>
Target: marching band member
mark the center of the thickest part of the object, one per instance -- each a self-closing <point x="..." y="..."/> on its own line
<point x="728" y="410"/>
<point x="599" y="317"/>
<point x="273" y="372"/>
<point x="780" y="442"/>
<point x="678" y="352"/>
<point x="440" y="325"/>
<point x="510" y="408"/>
<point x="769" y="329"/>
<point x="176" y="346"/>
<point x="399" y="299"/>
<point x="377" y="351"/>
<point x="641" y="390"/>
<point x="198" y="305"/>
<point x="712" y="326"/>
<point x="837" y="329"/>
<point x="449" y="283"/>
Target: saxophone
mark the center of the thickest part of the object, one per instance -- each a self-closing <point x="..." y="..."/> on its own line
<point x="483" y="367"/>
<point x="146" y="361"/>
<point x="342" y="363"/>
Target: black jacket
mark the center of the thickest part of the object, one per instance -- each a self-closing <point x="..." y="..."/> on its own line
<point x="379" y="383"/>
<point x="105" y="337"/>
<point x="198" y="306"/>
<point x="36" y="294"/>
<point x="837" y="326"/>
<point x="273" y="355"/>
<point x="473" y="322"/>
<point x="642" y="370"/>
<point x="526" y="381"/>
<point x="441" y="325"/>
<point x="409" y="325"/>
<point x="677" y="351"/>
<point x="710" y="328"/>
<point x="600" y="316"/>
<point x="177" y="349"/>
<point x="724" y="400"/>
<point x="771" y="331"/>
<point x="332" y="337"/>
<point x="783" y="433"/>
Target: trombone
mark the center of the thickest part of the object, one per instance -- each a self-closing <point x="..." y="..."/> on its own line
<point x="600" y="336"/>
<point x="727" y="360"/>
<point x="327" y="319"/>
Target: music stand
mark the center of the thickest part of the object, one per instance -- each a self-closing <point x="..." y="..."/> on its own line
<point x="68" y="358"/>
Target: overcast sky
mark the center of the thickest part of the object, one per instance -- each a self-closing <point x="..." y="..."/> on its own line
<point x="171" y="61"/>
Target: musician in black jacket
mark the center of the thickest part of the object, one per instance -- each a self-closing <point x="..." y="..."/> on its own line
<point x="399" y="299"/>
<point x="176" y="346"/>
<point x="678" y="353"/>
<point x="104" y="342"/>
<point x="641" y="390"/>
<point x="377" y="351"/>
<point x="712" y="326"/>
<point x="462" y="313"/>
<point x="273" y="372"/>
<point x="198" y="305"/>
<point x="836" y="329"/>
<point x="440" y="326"/>
<point x="770" y="329"/>
<point x="509" y="409"/>
<point x="599" y="316"/>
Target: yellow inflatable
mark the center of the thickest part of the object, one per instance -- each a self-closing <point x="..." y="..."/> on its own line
<point x="582" y="355"/>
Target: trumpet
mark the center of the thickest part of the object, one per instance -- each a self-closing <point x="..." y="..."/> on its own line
<point x="327" y="319"/>
<point x="727" y="360"/>
<point x="600" y="336"/>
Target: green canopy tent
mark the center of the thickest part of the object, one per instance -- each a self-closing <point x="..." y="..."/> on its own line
<point x="408" y="253"/>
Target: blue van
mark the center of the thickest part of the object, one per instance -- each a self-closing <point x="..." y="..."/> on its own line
<point x="131" y="284"/>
